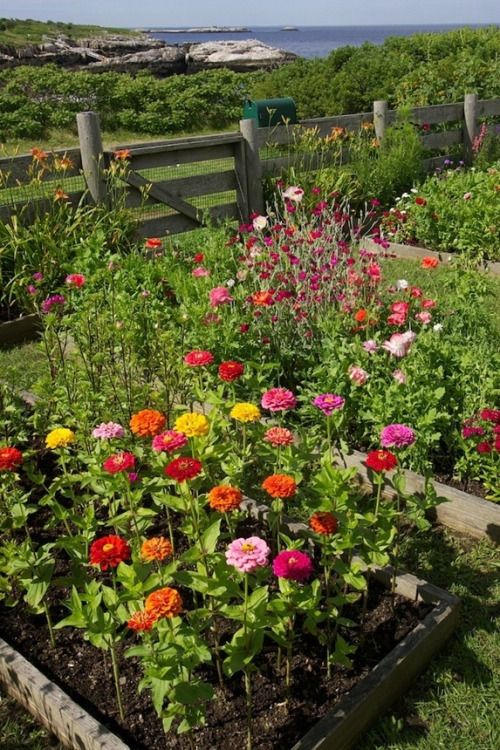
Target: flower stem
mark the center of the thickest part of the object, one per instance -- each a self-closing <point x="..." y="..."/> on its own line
<point x="116" y="678"/>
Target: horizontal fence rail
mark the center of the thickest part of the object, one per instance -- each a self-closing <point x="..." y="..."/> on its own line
<point x="176" y="185"/>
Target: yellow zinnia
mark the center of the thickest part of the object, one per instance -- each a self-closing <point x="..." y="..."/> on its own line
<point x="244" y="412"/>
<point x="61" y="437"/>
<point x="192" y="425"/>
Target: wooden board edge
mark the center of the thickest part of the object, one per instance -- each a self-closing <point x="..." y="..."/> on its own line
<point x="13" y="332"/>
<point x="49" y="704"/>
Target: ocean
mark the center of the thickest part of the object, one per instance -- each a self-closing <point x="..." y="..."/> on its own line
<point x="313" y="41"/>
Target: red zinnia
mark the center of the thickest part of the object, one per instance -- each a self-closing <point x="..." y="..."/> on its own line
<point x="183" y="468"/>
<point x="381" y="460"/>
<point x="153" y="243"/>
<point x="76" y="280"/>
<point x="231" y="370"/>
<point x="199" y="258"/>
<point x="10" y="459"/>
<point x="198" y="358"/>
<point x="109" y="551"/>
<point x="483" y="447"/>
<point x="429" y="262"/>
<point x="119" y="462"/>
<point x="420" y="201"/>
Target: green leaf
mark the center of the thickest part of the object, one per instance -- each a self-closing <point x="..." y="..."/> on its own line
<point x="210" y="537"/>
<point x="190" y="693"/>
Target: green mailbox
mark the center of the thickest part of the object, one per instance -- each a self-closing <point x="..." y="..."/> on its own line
<point x="270" y="112"/>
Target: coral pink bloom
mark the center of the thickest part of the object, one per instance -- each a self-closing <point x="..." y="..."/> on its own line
<point x="200" y="272"/>
<point x="278" y="436"/>
<point x="219" y="295"/>
<point x="75" y="279"/>
<point x="278" y="399"/>
<point x="427" y="304"/>
<point x="396" y="319"/>
<point x="169" y="441"/>
<point x="399" y="377"/>
<point x="198" y="358"/>
<point x="293" y="565"/>
<point x="400" y="343"/>
<point x="423" y="317"/>
<point x="358" y="375"/>
<point x="246" y="555"/>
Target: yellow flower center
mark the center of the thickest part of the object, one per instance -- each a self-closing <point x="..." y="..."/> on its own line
<point x="292" y="560"/>
<point x="108" y="547"/>
<point x="247" y="547"/>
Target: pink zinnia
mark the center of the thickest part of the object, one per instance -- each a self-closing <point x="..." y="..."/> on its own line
<point x="198" y="358"/>
<point x="328" y="403"/>
<point x="399" y="377"/>
<point x="278" y="399"/>
<point x="108" y="431"/>
<point x="293" y="565"/>
<point x="471" y="431"/>
<point x="200" y="272"/>
<point x="169" y="441"/>
<point x="246" y="555"/>
<point x="76" y="280"/>
<point x="370" y="346"/>
<point x="55" y="300"/>
<point x="400" y="343"/>
<point x="423" y="317"/>
<point x="119" y="462"/>
<point x="397" y="436"/>
<point x="219" y="295"/>
<point x="358" y="375"/>
<point x="278" y="436"/>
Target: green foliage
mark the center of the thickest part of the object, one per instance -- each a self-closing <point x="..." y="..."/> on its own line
<point x="21" y="32"/>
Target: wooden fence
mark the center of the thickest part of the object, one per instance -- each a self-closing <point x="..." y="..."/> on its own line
<point x="177" y="185"/>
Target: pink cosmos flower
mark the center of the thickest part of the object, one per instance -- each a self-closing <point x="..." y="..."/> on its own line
<point x="200" y="272"/>
<point x="169" y="441"/>
<point x="328" y="403"/>
<point x="358" y="375"/>
<point x="397" y="436"/>
<point x="293" y="565"/>
<point x="399" y="376"/>
<point x="278" y="399"/>
<point x="108" y="431"/>
<point x="278" y="436"/>
<point x="76" y="280"/>
<point x="423" y="317"/>
<point x="246" y="555"/>
<point x="219" y="295"/>
<point x="370" y="346"/>
<point x="400" y="343"/>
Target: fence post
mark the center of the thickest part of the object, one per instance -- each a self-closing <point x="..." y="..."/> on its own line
<point x="89" y="134"/>
<point x="255" y="192"/>
<point x="470" y="129"/>
<point x="380" y="118"/>
<point x="240" y="168"/>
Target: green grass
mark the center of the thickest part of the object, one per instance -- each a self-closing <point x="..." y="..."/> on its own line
<point x="18" y="33"/>
<point x="22" y="365"/>
<point x="454" y="705"/>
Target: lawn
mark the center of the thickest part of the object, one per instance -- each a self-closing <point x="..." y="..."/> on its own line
<point x="18" y="33"/>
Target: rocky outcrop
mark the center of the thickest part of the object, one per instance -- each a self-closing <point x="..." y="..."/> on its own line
<point x="130" y="55"/>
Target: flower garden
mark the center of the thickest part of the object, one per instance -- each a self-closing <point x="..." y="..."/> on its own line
<point x="195" y="402"/>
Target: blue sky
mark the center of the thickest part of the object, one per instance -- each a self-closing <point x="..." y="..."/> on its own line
<point x="254" y="13"/>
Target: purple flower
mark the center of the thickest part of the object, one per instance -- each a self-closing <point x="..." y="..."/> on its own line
<point x="108" y="431"/>
<point x="328" y="403"/>
<point x="37" y="276"/>
<point x="55" y="300"/>
<point x="397" y="436"/>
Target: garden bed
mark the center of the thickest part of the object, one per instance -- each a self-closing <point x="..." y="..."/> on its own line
<point x="402" y="646"/>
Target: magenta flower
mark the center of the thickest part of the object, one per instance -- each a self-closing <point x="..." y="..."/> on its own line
<point x="293" y="565"/>
<point x="108" y="431"/>
<point x="169" y="441"/>
<point x="400" y="343"/>
<point x="471" y="431"/>
<point x="219" y="295"/>
<point x="37" y="276"/>
<point x="397" y="436"/>
<point x="328" y="403"/>
<point x="56" y="301"/>
<point x="278" y="399"/>
<point x="246" y="555"/>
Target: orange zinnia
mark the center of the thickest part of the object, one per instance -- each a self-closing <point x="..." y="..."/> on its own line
<point x="164" y="602"/>
<point x="224" y="498"/>
<point x="429" y="262"/>
<point x="141" y="621"/>
<point x="323" y="523"/>
<point x="280" y="485"/>
<point x="361" y="315"/>
<point x="157" y="548"/>
<point x="122" y="154"/>
<point x="147" y="423"/>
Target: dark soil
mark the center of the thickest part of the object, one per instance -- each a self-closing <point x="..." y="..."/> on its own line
<point x="472" y="486"/>
<point x="85" y="673"/>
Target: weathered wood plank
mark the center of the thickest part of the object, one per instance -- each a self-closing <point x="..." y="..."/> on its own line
<point x="29" y="210"/>
<point x="163" y="195"/>
<point x="462" y="512"/>
<point x="445" y="138"/>
<point x="175" y="223"/>
<point x="437" y="161"/>
<point x="283" y="134"/>
<point x="187" y="155"/>
<point x="15" y="170"/>
<point x="176" y="144"/>
<point x="187" y="187"/>
<point x="488" y="107"/>
<point x="437" y="113"/>
<point x="301" y="162"/>
<point x="51" y="706"/>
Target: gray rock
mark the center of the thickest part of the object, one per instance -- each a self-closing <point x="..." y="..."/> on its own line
<point x="241" y="56"/>
<point x="161" y="62"/>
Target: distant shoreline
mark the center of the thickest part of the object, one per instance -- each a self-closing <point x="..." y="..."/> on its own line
<point x="200" y="30"/>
